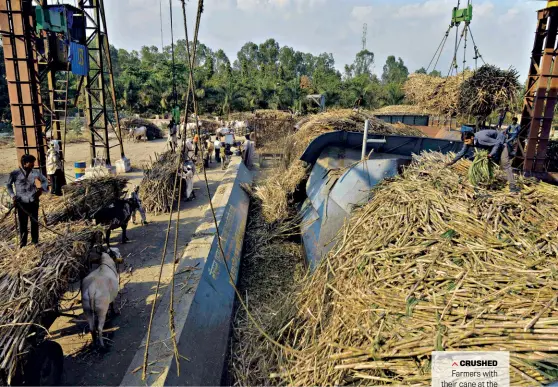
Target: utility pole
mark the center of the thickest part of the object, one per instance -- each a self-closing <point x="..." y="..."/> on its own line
<point x="364" y="35"/>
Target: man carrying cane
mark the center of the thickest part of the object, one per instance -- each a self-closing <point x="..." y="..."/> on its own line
<point x="26" y="197"/>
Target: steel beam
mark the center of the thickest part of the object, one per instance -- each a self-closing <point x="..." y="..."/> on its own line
<point x="541" y="95"/>
<point x="95" y="98"/>
<point x="17" y="26"/>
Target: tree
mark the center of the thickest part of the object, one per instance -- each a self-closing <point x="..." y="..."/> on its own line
<point x="363" y="63"/>
<point x="262" y="75"/>
<point x="395" y="71"/>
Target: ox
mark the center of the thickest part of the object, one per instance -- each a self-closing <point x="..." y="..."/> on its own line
<point x="137" y="134"/>
<point x="117" y="215"/>
<point x="98" y="292"/>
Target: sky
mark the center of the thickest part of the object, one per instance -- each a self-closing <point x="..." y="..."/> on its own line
<point x="502" y="29"/>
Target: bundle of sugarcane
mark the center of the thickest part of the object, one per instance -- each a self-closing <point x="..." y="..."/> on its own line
<point x="277" y="190"/>
<point x="82" y="199"/>
<point x="403" y="110"/>
<point x="157" y="185"/>
<point x="342" y="119"/>
<point x="153" y="131"/>
<point x="33" y="279"/>
<point x="273" y="114"/>
<point x="209" y="126"/>
<point x="488" y="89"/>
<point x="430" y="263"/>
<point x="435" y="94"/>
<point x="482" y="169"/>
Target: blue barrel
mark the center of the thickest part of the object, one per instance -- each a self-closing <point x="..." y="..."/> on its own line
<point x="79" y="169"/>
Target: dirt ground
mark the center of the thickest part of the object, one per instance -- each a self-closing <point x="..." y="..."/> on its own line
<point x="137" y="152"/>
<point x="84" y="366"/>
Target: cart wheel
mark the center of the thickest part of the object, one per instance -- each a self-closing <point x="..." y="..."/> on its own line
<point x="46" y="365"/>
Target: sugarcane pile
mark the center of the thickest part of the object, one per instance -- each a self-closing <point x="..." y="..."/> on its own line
<point x="80" y="201"/>
<point x="153" y="131"/>
<point x="272" y="114"/>
<point x="271" y="265"/>
<point x="157" y="185"/>
<point x="403" y="110"/>
<point x="430" y="263"/>
<point x="342" y="119"/>
<point x="488" y="89"/>
<point x="435" y="94"/>
<point x="33" y="279"/>
<point x="277" y="192"/>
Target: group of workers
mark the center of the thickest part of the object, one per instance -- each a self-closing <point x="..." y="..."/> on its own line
<point x="500" y="145"/>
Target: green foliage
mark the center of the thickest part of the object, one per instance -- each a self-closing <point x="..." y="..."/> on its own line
<point x="262" y="76"/>
<point x="395" y="71"/>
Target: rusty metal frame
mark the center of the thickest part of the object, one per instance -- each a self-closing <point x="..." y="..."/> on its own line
<point x="541" y="95"/>
<point x="94" y="83"/>
<point x="17" y="26"/>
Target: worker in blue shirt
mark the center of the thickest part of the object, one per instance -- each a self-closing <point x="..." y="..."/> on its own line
<point x="512" y="132"/>
<point x="494" y="142"/>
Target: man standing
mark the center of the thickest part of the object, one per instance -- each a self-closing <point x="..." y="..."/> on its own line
<point x="135" y="196"/>
<point x="26" y="197"/>
<point x="494" y="142"/>
<point x="54" y="168"/>
<point x="248" y="151"/>
<point x="172" y="135"/>
<point x="512" y="132"/>
<point x="217" y="146"/>
<point x="188" y="183"/>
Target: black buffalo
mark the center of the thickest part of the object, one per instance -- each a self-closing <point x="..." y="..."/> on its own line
<point x="117" y="215"/>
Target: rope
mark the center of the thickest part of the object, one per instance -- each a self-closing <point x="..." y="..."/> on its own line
<point x="174" y="95"/>
<point x="171" y="310"/>
<point x="477" y="52"/>
<point x="465" y="49"/>
<point x="454" y="62"/>
<point x="440" y="48"/>
<point x="440" y="54"/>
<point x="218" y="234"/>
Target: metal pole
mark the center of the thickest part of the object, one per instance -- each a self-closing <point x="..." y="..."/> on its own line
<point x="365" y="139"/>
<point x="111" y="79"/>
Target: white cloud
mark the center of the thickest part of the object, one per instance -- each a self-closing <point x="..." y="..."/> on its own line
<point x="510" y="16"/>
<point x="483" y="9"/>
<point x="410" y="29"/>
<point x="267" y="5"/>
<point x="424" y="10"/>
<point x="363" y="13"/>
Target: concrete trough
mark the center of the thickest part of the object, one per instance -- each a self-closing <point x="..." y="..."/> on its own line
<point x="204" y="297"/>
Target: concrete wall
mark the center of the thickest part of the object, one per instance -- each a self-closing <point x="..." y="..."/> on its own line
<point x="204" y="296"/>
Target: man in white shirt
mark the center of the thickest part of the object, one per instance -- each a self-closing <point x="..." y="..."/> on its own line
<point x="26" y="197"/>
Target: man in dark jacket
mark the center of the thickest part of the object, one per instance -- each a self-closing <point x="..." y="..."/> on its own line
<point x="495" y="143"/>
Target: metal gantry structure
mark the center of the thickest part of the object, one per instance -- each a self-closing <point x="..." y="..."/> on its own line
<point x="44" y="44"/>
<point x="21" y="56"/>
<point x="541" y="94"/>
<point x="95" y="84"/>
